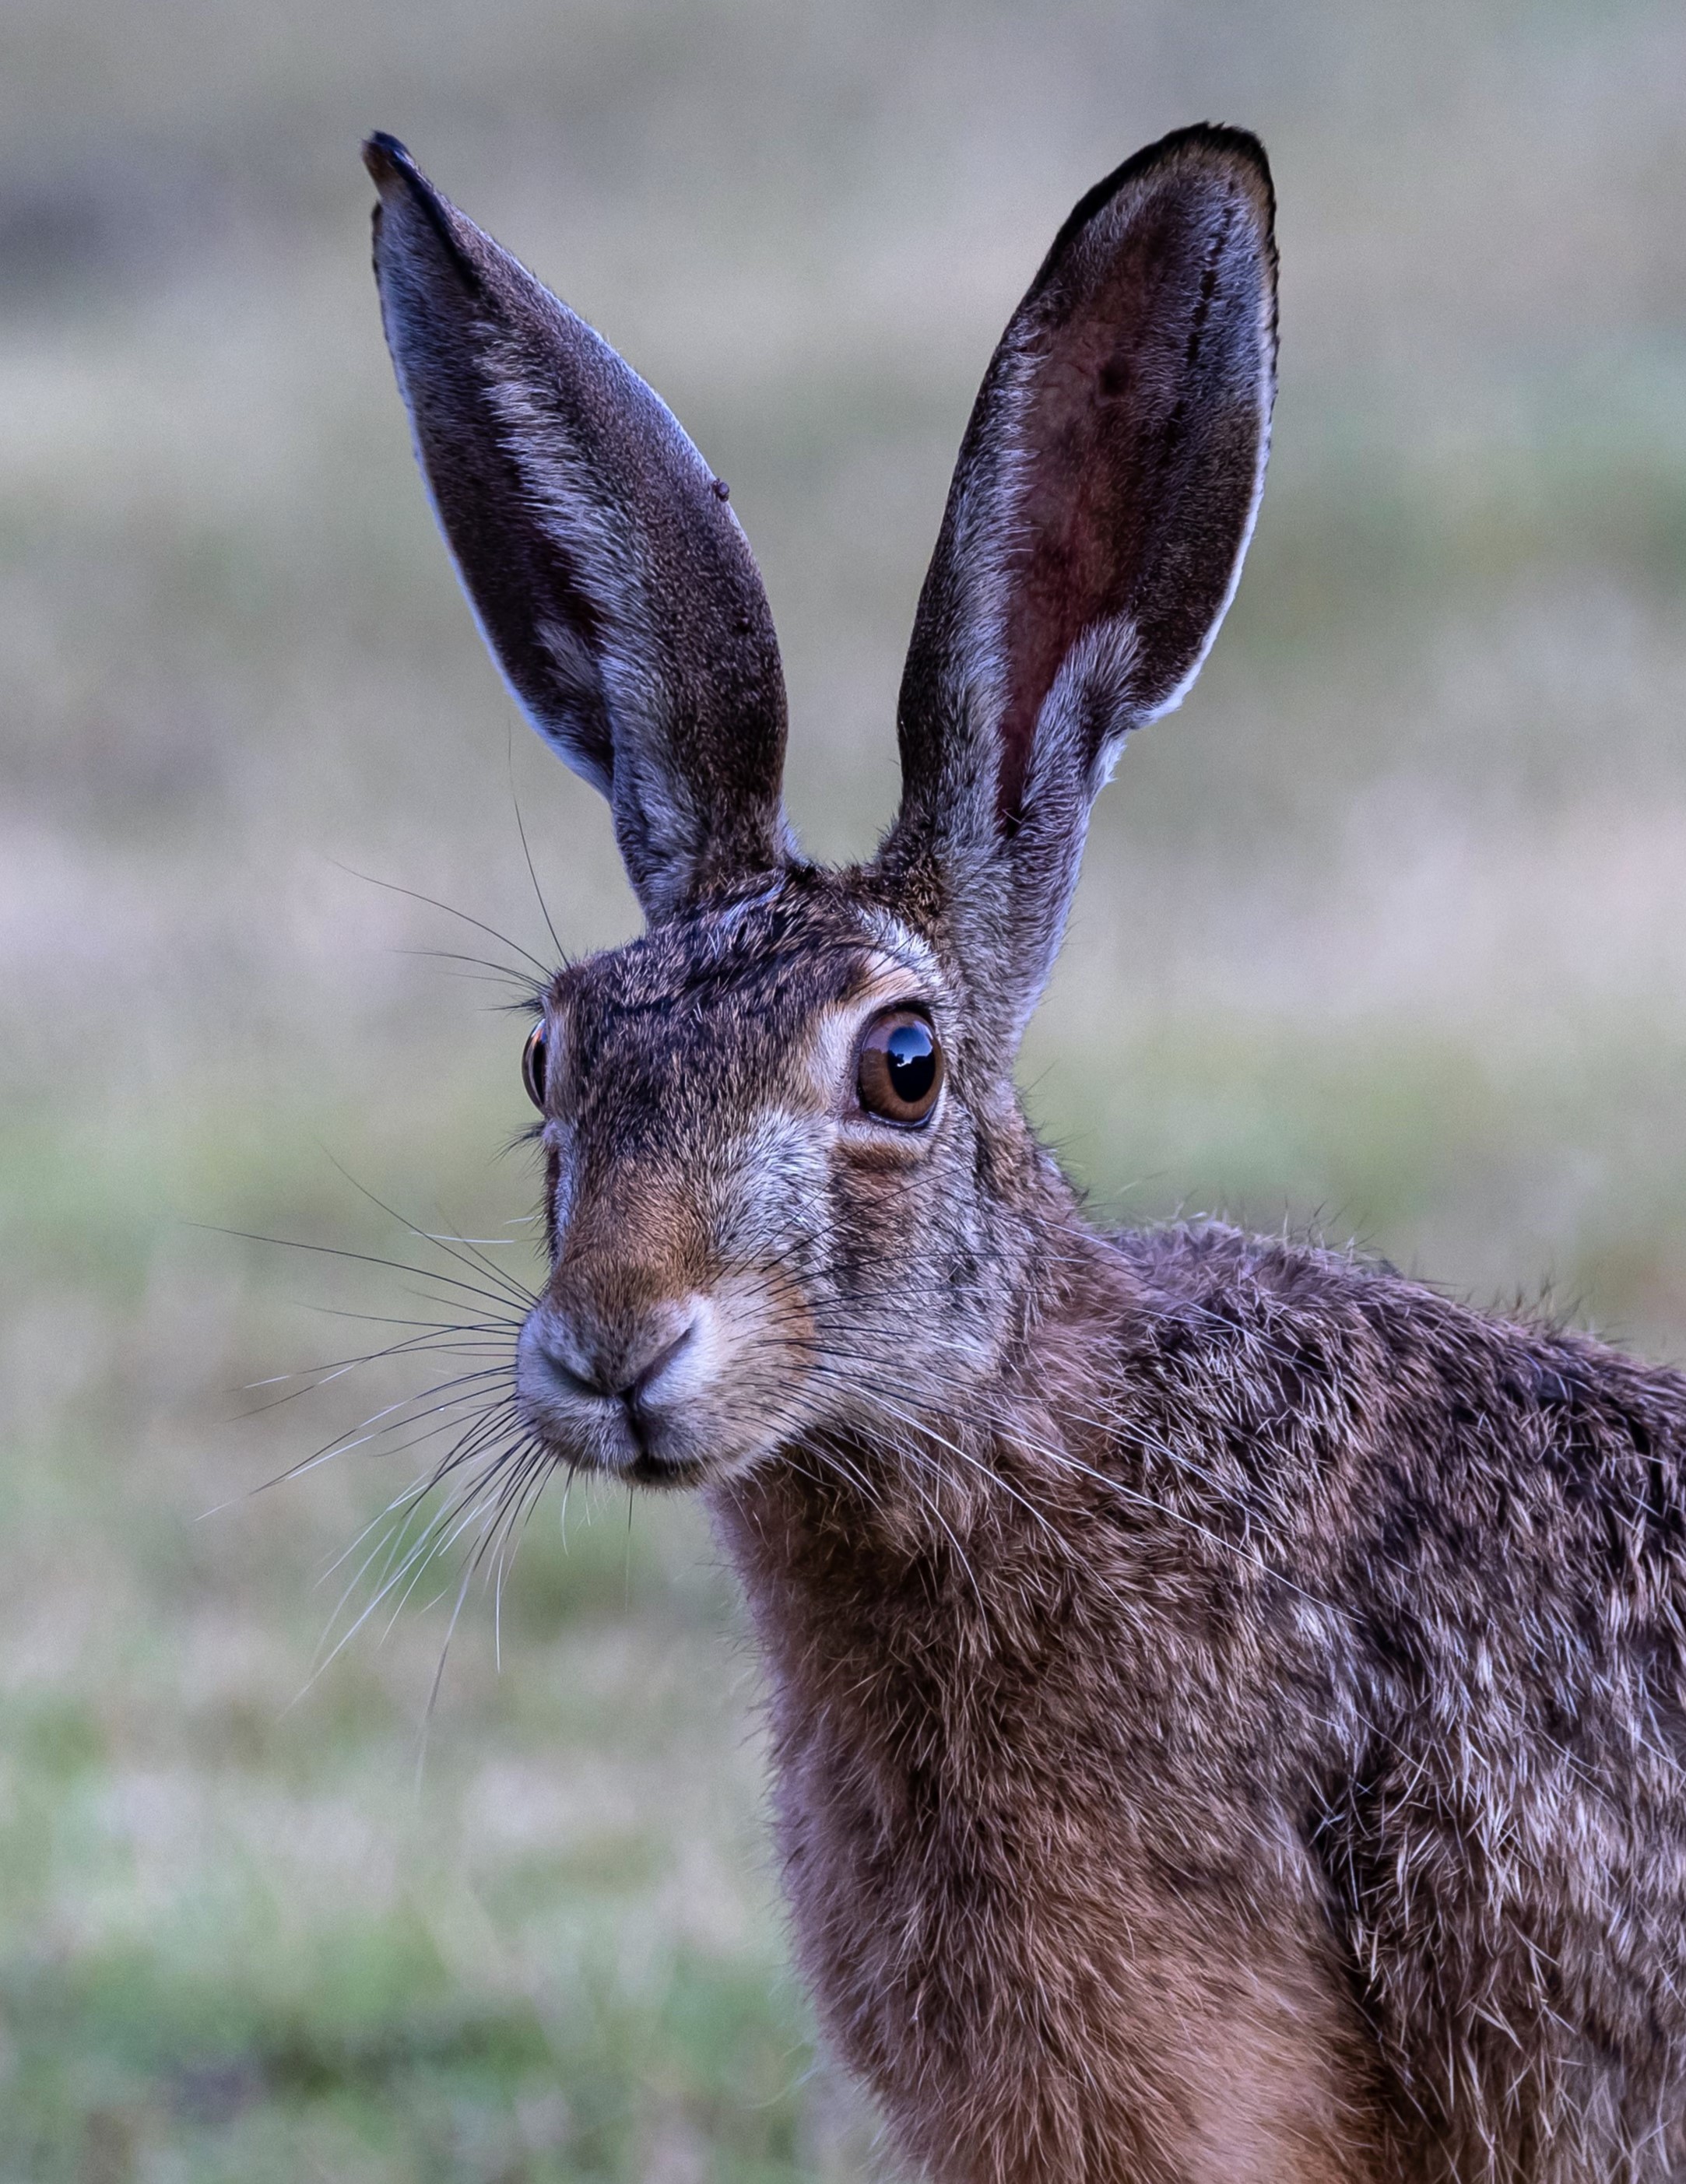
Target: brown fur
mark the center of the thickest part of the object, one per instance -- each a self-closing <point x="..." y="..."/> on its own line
<point x="1228" y="1700"/>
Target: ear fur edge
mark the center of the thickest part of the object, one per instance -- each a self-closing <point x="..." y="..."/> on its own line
<point x="1106" y="488"/>
<point x="610" y="580"/>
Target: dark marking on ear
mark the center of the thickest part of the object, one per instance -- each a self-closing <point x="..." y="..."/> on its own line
<point x="388" y="161"/>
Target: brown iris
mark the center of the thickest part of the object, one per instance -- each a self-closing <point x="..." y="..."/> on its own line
<point x="532" y="1062"/>
<point x="899" y="1071"/>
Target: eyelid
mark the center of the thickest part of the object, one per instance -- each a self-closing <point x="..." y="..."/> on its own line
<point x="834" y="1040"/>
<point x="895" y="1004"/>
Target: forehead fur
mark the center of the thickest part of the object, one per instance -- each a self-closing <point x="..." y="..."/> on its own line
<point x="727" y="986"/>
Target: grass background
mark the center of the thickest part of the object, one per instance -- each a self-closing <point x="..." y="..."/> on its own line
<point x="1382" y="934"/>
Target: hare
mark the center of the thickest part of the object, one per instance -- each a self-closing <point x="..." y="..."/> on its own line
<point x="1227" y="1699"/>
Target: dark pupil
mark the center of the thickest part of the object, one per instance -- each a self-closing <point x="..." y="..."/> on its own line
<point x="911" y="1052"/>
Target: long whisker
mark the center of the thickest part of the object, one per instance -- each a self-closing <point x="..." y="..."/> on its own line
<point x="445" y="1343"/>
<point x="372" y="1430"/>
<point x="515" y="1292"/>
<point x="483" y="971"/>
<point x="531" y="870"/>
<point x="436" y="1537"/>
<point x="433" y="902"/>
<point x="360" y="1259"/>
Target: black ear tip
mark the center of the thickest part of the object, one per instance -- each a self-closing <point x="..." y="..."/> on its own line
<point x="384" y="156"/>
<point x="388" y="161"/>
<point x="405" y="190"/>
<point x="1214" y="141"/>
<point x="1209" y="147"/>
<point x="1219" y="137"/>
<point x="1203" y="149"/>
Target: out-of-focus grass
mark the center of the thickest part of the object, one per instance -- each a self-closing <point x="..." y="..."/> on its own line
<point x="257" y="1925"/>
<point x="1384" y="934"/>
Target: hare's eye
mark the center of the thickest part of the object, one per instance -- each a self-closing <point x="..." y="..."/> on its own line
<point x="533" y="1060"/>
<point x="899" y="1073"/>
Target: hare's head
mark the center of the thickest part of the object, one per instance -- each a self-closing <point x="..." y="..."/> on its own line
<point x="790" y="1192"/>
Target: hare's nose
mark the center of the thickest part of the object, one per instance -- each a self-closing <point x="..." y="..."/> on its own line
<point x="627" y="1360"/>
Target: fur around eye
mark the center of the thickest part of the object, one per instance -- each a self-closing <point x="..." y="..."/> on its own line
<point x="899" y="1068"/>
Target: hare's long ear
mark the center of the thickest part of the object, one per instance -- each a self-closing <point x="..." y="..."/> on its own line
<point x="610" y="578"/>
<point x="1106" y="490"/>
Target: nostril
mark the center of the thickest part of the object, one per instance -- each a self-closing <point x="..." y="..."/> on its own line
<point x="650" y="1373"/>
<point x="606" y="1363"/>
<point x="575" y="1371"/>
<point x="573" y="1383"/>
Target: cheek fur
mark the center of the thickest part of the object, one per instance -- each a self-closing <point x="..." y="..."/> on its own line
<point x="768" y="1192"/>
<point x="560" y="1173"/>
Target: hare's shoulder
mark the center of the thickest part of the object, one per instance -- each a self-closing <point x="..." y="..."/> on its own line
<point x="1471" y="1486"/>
<point x="1270" y="1309"/>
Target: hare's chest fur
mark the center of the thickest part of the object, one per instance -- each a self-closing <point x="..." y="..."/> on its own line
<point x="1059" y="1935"/>
<point x="1183" y="1816"/>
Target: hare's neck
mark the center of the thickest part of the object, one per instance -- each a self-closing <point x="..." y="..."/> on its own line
<point x="971" y="1664"/>
<point x="881" y="1573"/>
<point x="878" y="1586"/>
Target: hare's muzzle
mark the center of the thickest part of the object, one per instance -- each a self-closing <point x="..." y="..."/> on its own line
<point x="618" y="1384"/>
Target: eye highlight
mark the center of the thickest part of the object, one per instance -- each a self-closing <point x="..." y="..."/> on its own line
<point x="899" y="1069"/>
<point x="534" y="1057"/>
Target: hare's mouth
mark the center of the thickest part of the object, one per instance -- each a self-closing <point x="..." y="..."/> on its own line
<point x="664" y="1453"/>
<point x="656" y="1397"/>
<point x="668" y="1475"/>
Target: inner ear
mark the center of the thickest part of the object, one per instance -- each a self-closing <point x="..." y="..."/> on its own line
<point x="1094" y="534"/>
<point x="1120" y="367"/>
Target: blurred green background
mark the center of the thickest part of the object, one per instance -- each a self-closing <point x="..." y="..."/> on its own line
<point x="1383" y="935"/>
